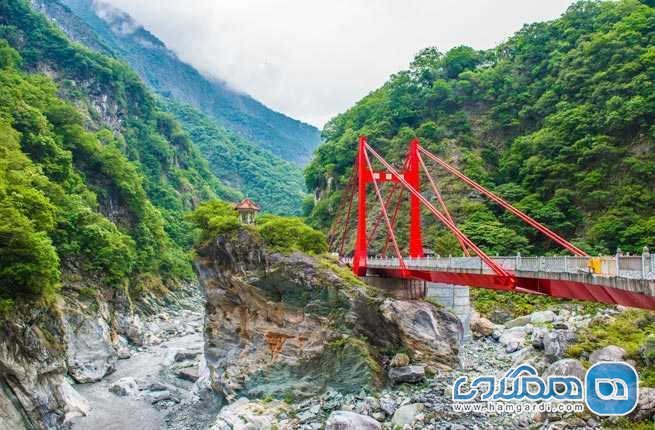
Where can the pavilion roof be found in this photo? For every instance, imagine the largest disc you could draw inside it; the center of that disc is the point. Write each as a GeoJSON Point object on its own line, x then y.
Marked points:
{"type": "Point", "coordinates": [247, 204]}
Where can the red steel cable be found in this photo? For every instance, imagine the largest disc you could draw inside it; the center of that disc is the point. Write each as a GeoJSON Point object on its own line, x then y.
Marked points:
{"type": "Point", "coordinates": [525, 218]}
{"type": "Point", "coordinates": [484, 257]}
{"type": "Point", "coordinates": [435, 190]}
{"type": "Point", "coordinates": [384, 213]}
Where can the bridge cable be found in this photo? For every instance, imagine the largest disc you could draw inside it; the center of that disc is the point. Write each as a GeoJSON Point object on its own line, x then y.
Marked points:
{"type": "Point", "coordinates": [384, 213]}
{"type": "Point", "coordinates": [506, 276]}
{"type": "Point", "coordinates": [435, 190]}
{"type": "Point", "coordinates": [525, 218]}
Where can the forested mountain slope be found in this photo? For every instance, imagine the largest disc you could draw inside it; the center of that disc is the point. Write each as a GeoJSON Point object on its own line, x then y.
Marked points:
{"type": "Point", "coordinates": [558, 119]}
{"type": "Point", "coordinates": [161, 69]}
{"type": "Point", "coordinates": [275, 184]}
{"type": "Point", "coordinates": [94, 178]}
{"type": "Point", "coordinates": [240, 162]}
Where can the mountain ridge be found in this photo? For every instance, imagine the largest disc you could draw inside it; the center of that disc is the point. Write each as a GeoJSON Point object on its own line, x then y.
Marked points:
{"type": "Point", "coordinates": [165, 73]}
{"type": "Point", "coordinates": [557, 120]}
{"type": "Point", "coordinates": [237, 161]}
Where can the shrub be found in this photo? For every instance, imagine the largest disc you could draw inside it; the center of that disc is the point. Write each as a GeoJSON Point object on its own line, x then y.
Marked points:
{"type": "Point", "coordinates": [213, 218]}
{"type": "Point", "coordinates": [288, 234]}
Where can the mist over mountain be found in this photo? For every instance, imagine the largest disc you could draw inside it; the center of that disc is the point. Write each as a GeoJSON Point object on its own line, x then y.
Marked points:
{"type": "Point", "coordinates": [239, 161]}
{"type": "Point", "coordinates": [114, 31]}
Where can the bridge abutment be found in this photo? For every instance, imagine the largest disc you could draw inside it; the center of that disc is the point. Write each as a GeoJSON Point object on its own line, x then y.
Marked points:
{"type": "Point", "coordinates": [453, 297]}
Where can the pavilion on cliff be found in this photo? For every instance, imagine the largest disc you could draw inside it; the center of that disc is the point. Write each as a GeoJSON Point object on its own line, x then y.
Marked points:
{"type": "Point", "coordinates": [247, 210]}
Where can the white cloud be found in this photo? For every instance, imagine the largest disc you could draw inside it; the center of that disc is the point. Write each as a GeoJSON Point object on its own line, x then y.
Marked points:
{"type": "Point", "coordinates": [312, 59]}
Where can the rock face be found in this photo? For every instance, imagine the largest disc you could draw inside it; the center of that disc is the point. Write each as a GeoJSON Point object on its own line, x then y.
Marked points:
{"type": "Point", "coordinates": [81, 336]}
{"type": "Point", "coordinates": [609, 353]}
{"type": "Point", "coordinates": [91, 354]}
{"type": "Point", "coordinates": [295, 325]}
{"type": "Point", "coordinates": [32, 369]}
{"type": "Point", "coordinates": [344, 420]}
{"type": "Point", "coordinates": [433, 334]}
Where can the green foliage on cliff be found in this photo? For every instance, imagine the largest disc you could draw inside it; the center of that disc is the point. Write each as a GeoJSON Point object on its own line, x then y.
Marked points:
{"type": "Point", "coordinates": [281, 234]}
{"type": "Point", "coordinates": [633, 330]}
{"type": "Point", "coordinates": [213, 218]}
{"type": "Point", "coordinates": [93, 177]}
{"type": "Point", "coordinates": [558, 119]}
{"type": "Point", "coordinates": [288, 234]}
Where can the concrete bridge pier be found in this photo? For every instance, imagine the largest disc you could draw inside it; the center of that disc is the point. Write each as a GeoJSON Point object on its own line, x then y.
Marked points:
{"type": "Point", "coordinates": [452, 297]}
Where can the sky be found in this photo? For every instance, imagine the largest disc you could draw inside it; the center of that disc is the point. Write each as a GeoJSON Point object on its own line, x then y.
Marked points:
{"type": "Point", "coordinates": [313, 59]}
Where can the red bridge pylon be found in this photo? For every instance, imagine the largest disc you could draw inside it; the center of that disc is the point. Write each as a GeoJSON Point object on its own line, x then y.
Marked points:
{"type": "Point", "coordinates": [409, 180]}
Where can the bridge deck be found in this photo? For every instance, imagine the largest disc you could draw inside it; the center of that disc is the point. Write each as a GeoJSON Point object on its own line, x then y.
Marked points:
{"type": "Point", "coordinates": [624, 280]}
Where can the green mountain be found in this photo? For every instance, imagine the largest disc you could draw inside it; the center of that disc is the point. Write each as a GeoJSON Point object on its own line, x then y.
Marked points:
{"type": "Point", "coordinates": [558, 120]}
{"type": "Point", "coordinates": [115, 31]}
{"type": "Point", "coordinates": [94, 178]}
{"type": "Point", "coordinates": [277, 185]}
{"type": "Point", "coordinates": [240, 162]}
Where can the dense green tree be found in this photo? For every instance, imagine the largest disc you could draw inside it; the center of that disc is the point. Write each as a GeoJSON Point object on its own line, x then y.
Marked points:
{"type": "Point", "coordinates": [558, 119]}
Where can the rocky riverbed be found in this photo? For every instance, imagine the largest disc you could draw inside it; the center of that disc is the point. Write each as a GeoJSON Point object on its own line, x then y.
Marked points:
{"type": "Point", "coordinates": [277, 341]}
{"type": "Point", "coordinates": [157, 385]}
{"type": "Point", "coordinates": [426, 403]}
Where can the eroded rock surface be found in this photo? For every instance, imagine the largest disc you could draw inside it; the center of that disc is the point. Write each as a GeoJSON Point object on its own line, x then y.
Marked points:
{"type": "Point", "coordinates": [294, 325]}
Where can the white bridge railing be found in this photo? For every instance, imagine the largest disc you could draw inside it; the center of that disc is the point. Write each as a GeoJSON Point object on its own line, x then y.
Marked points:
{"type": "Point", "coordinates": [623, 266]}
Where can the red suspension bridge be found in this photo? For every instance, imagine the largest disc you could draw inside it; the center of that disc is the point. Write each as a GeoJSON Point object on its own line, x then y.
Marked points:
{"type": "Point", "coordinates": [618, 279]}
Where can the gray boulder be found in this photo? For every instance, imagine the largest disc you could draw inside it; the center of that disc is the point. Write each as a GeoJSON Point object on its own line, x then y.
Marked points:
{"type": "Point", "coordinates": [518, 322]}
{"type": "Point", "coordinates": [431, 333]}
{"type": "Point", "coordinates": [566, 367]}
{"type": "Point", "coordinates": [528, 355]}
{"type": "Point", "coordinates": [609, 353]}
{"type": "Point", "coordinates": [246, 415]}
{"type": "Point", "coordinates": [135, 330]}
{"type": "Point", "coordinates": [406, 415]}
{"type": "Point", "coordinates": [158, 396]}
{"type": "Point", "coordinates": [186, 355]}
{"type": "Point", "coordinates": [481, 327]}
{"type": "Point", "coordinates": [344, 420]}
{"type": "Point", "coordinates": [645, 410]}
{"type": "Point", "coordinates": [513, 338]}
{"type": "Point", "coordinates": [537, 337]}
{"type": "Point", "coordinates": [189, 373]}
{"type": "Point", "coordinates": [557, 342]}
{"type": "Point", "coordinates": [91, 354]}
{"type": "Point", "coordinates": [388, 405]}
{"type": "Point", "coordinates": [124, 387]}
{"type": "Point", "coordinates": [411, 374]}
{"type": "Point", "coordinates": [542, 317]}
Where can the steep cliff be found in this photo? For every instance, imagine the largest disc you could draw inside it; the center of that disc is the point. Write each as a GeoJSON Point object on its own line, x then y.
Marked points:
{"type": "Point", "coordinates": [94, 181]}
{"type": "Point", "coordinates": [45, 350]}
{"type": "Point", "coordinates": [166, 74]}
{"type": "Point", "coordinates": [296, 325]}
